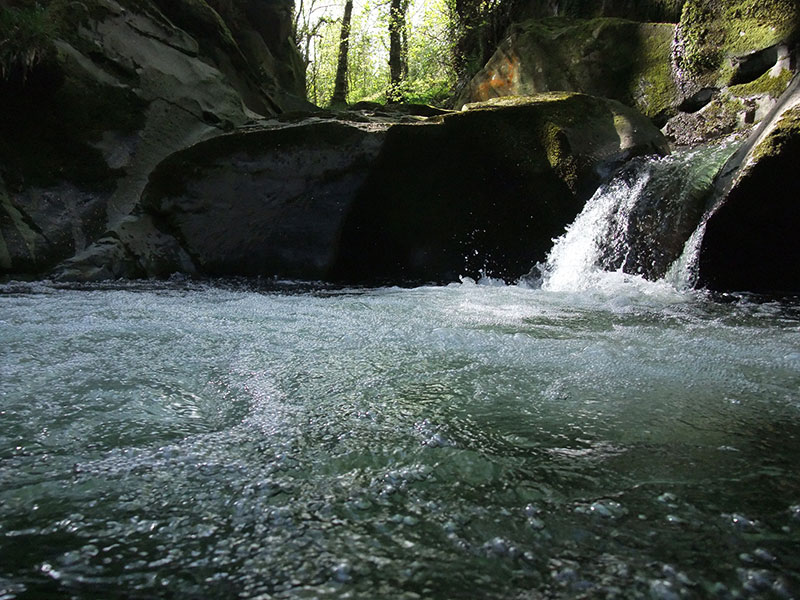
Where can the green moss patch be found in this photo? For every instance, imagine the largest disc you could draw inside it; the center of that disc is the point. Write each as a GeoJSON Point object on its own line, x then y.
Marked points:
{"type": "Point", "coordinates": [786, 133]}
{"type": "Point", "coordinates": [710, 30]}
{"type": "Point", "coordinates": [607, 57]}
{"type": "Point", "coordinates": [651, 83]}
{"type": "Point", "coordinates": [764, 85]}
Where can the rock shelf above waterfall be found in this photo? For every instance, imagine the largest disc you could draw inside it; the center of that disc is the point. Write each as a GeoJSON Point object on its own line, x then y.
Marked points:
{"type": "Point", "coordinates": [430, 200]}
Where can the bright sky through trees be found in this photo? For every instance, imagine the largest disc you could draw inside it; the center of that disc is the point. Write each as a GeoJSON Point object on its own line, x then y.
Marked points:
{"type": "Point", "coordinates": [430, 73]}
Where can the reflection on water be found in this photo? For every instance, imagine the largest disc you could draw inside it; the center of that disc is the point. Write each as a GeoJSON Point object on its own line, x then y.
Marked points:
{"type": "Point", "coordinates": [456, 442]}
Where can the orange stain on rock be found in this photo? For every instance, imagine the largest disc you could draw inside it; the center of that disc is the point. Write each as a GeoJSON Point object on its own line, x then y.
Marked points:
{"type": "Point", "coordinates": [500, 79]}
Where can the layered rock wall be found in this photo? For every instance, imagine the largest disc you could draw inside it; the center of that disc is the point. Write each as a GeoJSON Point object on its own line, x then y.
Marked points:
{"type": "Point", "coordinates": [729, 60]}
{"type": "Point", "coordinates": [106, 90]}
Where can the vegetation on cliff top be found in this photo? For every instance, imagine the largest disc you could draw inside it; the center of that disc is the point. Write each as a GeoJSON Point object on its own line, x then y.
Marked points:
{"type": "Point", "coordinates": [25, 39]}
{"type": "Point", "coordinates": [769, 84]}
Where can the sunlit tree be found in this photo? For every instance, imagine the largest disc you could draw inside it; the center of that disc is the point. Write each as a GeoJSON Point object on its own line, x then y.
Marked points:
{"type": "Point", "coordinates": [395, 49]}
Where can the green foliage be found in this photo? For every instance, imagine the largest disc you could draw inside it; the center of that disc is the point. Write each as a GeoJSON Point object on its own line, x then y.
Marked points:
{"type": "Point", "coordinates": [430, 39]}
{"type": "Point", "coordinates": [25, 38]}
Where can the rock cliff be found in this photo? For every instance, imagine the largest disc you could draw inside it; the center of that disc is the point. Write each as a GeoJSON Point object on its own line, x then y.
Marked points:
{"type": "Point", "coordinates": [717, 68]}
{"type": "Point", "coordinates": [104, 91]}
{"type": "Point", "coordinates": [141, 138]}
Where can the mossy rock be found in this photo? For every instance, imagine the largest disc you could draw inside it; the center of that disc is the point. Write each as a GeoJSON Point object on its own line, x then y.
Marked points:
{"type": "Point", "coordinates": [767, 85]}
{"type": "Point", "coordinates": [781, 140]}
{"type": "Point", "coordinates": [614, 58]}
{"type": "Point", "coordinates": [751, 241]}
{"type": "Point", "coordinates": [711, 32]}
{"type": "Point", "coordinates": [651, 11]}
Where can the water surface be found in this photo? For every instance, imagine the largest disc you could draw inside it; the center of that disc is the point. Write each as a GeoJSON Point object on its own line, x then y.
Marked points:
{"type": "Point", "coordinates": [467, 441]}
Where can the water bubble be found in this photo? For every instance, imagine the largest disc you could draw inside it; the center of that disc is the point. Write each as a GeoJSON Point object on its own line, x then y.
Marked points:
{"type": "Point", "coordinates": [756, 580]}
{"type": "Point", "coordinates": [532, 510]}
{"type": "Point", "coordinates": [675, 520]}
{"type": "Point", "coordinates": [669, 499]}
{"type": "Point", "coordinates": [535, 523]}
{"type": "Point", "coordinates": [607, 509]}
{"type": "Point", "coordinates": [741, 522]}
{"type": "Point", "coordinates": [342, 572]}
{"type": "Point", "coordinates": [437, 440]}
{"type": "Point", "coordinates": [565, 575]}
{"type": "Point", "coordinates": [795, 512]}
{"type": "Point", "coordinates": [501, 547]}
{"type": "Point", "coordinates": [764, 555]}
{"type": "Point", "coordinates": [48, 570]}
{"type": "Point", "coordinates": [450, 526]}
{"type": "Point", "coordinates": [663, 589]}
{"type": "Point", "coordinates": [362, 504]}
{"type": "Point", "coordinates": [676, 576]}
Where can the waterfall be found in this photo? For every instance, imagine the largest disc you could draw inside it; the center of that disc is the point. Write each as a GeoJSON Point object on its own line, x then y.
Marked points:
{"type": "Point", "coordinates": [646, 222]}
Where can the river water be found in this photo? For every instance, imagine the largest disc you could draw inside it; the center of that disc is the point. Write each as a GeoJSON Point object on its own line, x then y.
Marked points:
{"type": "Point", "coordinates": [224, 440]}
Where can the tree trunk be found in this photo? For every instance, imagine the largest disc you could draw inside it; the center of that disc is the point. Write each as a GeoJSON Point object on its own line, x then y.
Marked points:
{"type": "Point", "coordinates": [397, 50]}
{"type": "Point", "coordinates": [340, 84]}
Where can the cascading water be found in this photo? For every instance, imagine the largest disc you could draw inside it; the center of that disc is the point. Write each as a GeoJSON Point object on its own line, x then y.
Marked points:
{"type": "Point", "coordinates": [645, 222]}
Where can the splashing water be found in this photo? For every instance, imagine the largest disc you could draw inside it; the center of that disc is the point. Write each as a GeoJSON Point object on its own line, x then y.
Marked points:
{"type": "Point", "coordinates": [573, 263]}
{"type": "Point", "coordinates": [646, 224]}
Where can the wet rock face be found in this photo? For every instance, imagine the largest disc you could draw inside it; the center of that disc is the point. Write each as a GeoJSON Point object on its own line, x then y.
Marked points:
{"type": "Point", "coordinates": [263, 203]}
{"type": "Point", "coordinates": [751, 241]}
{"type": "Point", "coordinates": [119, 86]}
{"type": "Point", "coordinates": [613, 58]}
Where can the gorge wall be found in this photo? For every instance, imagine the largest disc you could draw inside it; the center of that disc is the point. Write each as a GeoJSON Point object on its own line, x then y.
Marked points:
{"type": "Point", "coordinates": [95, 94]}
{"type": "Point", "coordinates": [141, 138]}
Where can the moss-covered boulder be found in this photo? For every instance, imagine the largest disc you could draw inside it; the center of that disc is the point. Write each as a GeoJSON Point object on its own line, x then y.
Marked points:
{"type": "Point", "coordinates": [614, 58]}
{"type": "Point", "coordinates": [96, 93]}
{"type": "Point", "coordinates": [751, 240]}
{"type": "Point", "coordinates": [483, 26]}
{"type": "Point", "coordinates": [734, 109]}
{"type": "Point", "coordinates": [487, 189]}
{"type": "Point", "coordinates": [724, 42]}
